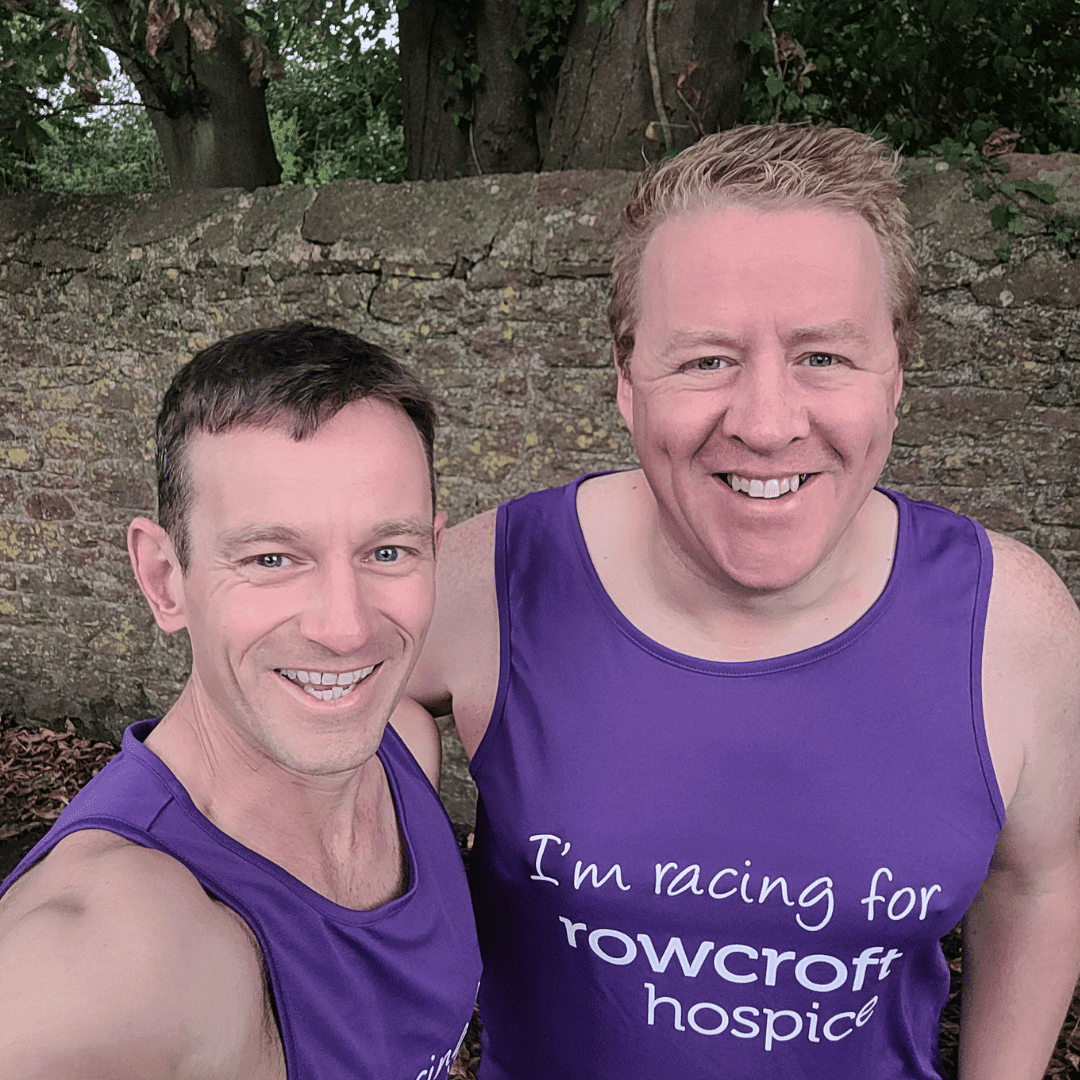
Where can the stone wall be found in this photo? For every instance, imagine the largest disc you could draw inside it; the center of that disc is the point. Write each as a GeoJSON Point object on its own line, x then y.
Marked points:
{"type": "Point", "coordinates": [494, 289]}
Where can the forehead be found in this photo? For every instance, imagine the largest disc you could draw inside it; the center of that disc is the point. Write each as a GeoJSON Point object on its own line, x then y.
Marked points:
{"type": "Point", "coordinates": [367, 461]}
{"type": "Point", "coordinates": [788, 259]}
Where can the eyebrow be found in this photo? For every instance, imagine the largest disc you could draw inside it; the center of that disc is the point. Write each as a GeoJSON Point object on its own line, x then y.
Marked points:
{"type": "Point", "coordinates": [841, 330]}
{"type": "Point", "coordinates": [235, 539]}
{"type": "Point", "coordinates": [690, 339]}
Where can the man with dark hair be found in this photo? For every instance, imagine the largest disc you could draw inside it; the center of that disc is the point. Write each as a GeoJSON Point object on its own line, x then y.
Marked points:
{"type": "Point", "coordinates": [263, 884]}
{"type": "Point", "coordinates": [750, 733]}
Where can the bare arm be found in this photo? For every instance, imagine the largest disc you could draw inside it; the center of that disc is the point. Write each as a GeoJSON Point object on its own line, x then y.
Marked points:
{"type": "Point", "coordinates": [115, 964]}
{"type": "Point", "coordinates": [458, 668]}
{"type": "Point", "coordinates": [421, 735]}
{"type": "Point", "coordinates": [1022, 936]}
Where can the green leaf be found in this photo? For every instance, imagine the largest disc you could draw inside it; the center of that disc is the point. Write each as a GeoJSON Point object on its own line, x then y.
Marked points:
{"type": "Point", "coordinates": [1016, 226]}
{"type": "Point", "coordinates": [981, 191]}
{"type": "Point", "coordinates": [604, 10]}
{"type": "Point", "coordinates": [1003, 253]}
{"type": "Point", "coordinates": [1001, 215]}
{"type": "Point", "coordinates": [1047, 193]}
{"type": "Point", "coordinates": [775, 86]}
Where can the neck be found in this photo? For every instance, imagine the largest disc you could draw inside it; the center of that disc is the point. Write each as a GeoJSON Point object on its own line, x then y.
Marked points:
{"type": "Point", "coordinates": [686, 604]}
{"type": "Point", "coordinates": [337, 833]}
{"type": "Point", "coordinates": [753, 624]}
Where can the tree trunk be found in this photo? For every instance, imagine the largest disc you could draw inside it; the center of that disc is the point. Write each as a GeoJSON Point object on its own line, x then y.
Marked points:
{"type": "Point", "coordinates": [606, 115]}
{"type": "Point", "coordinates": [601, 111]}
{"type": "Point", "coordinates": [504, 125]}
{"type": "Point", "coordinates": [214, 130]}
{"type": "Point", "coordinates": [431, 32]}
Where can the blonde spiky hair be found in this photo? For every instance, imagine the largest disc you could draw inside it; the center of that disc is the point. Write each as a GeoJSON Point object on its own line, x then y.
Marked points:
{"type": "Point", "coordinates": [771, 166]}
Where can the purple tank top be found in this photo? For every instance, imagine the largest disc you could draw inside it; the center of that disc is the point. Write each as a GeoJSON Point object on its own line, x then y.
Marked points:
{"type": "Point", "coordinates": [376, 994]}
{"type": "Point", "coordinates": [686, 868]}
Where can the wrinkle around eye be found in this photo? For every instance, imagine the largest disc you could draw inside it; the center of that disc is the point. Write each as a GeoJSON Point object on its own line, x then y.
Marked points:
{"type": "Point", "coordinates": [256, 560]}
{"type": "Point", "coordinates": [708, 364]}
{"type": "Point", "coordinates": [835, 361]}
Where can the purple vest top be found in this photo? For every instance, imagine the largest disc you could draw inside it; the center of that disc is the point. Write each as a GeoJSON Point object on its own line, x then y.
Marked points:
{"type": "Point", "coordinates": [359, 995]}
{"type": "Point", "coordinates": [686, 868]}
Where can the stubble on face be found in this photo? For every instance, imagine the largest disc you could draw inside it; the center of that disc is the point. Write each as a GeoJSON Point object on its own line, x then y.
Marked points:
{"type": "Point", "coordinates": [763, 389]}
{"type": "Point", "coordinates": [310, 588]}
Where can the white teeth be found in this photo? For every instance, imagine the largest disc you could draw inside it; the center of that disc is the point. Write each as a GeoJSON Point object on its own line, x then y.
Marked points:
{"type": "Point", "coordinates": [764, 489]}
{"type": "Point", "coordinates": [337, 684]}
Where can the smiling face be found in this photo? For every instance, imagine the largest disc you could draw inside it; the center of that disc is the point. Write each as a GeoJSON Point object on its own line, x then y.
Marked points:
{"type": "Point", "coordinates": [311, 582]}
{"type": "Point", "coordinates": [763, 387]}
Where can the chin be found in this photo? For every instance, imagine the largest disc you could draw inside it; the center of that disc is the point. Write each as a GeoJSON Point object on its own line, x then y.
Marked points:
{"type": "Point", "coordinates": [766, 572]}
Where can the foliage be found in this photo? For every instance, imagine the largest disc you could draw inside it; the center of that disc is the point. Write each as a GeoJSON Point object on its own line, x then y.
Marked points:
{"type": "Point", "coordinates": [54, 73]}
{"type": "Point", "coordinates": [920, 71]}
{"type": "Point", "coordinates": [337, 113]}
{"type": "Point", "coordinates": [110, 151]}
{"type": "Point", "coordinates": [603, 10]}
{"type": "Point", "coordinates": [32, 63]}
{"type": "Point", "coordinates": [1007, 214]}
{"type": "Point", "coordinates": [547, 29]}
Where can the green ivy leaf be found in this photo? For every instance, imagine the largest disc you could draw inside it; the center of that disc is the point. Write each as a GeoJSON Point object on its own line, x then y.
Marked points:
{"type": "Point", "coordinates": [981, 191]}
{"type": "Point", "coordinates": [1047, 193]}
{"type": "Point", "coordinates": [1016, 226]}
{"type": "Point", "coordinates": [1003, 253]}
{"type": "Point", "coordinates": [774, 85]}
{"type": "Point", "coordinates": [1000, 216]}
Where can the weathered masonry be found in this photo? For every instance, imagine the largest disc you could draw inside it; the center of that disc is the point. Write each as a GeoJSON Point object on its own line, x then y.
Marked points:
{"type": "Point", "coordinates": [494, 289]}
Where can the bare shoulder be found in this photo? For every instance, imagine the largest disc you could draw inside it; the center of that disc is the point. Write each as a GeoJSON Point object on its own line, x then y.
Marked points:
{"type": "Point", "coordinates": [1031, 695]}
{"type": "Point", "coordinates": [1031, 604]}
{"type": "Point", "coordinates": [114, 961]}
{"type": "Point", "coordinates": [458, 668]}
{"type": "Point", "coordinates": [420, 734]}
{"type": "Point", "coordinates": [467, 551]}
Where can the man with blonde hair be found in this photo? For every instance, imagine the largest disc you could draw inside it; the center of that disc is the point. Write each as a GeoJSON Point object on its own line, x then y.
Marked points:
{"type": "Point", "coordinates": [750, 733]}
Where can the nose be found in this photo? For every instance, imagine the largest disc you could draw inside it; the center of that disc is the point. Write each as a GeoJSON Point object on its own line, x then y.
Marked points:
{"type": "Point", "coordinates": [337, 614]}
{"type": "Point", "coordinates": [766, 411]}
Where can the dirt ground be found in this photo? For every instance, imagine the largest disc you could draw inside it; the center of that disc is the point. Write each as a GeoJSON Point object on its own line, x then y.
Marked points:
{"type": "Point", "coordinates": [41, 770]}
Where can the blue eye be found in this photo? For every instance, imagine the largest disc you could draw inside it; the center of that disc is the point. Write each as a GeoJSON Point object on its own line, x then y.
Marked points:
{"type": "Point", "coordinates": [819, 360]}
{"type": "Point", "coordinates": [271, 562]}
{"type": "Point", "coordinates": [387, 554]}
{"type": "Point", "coordinates": [710, 363]}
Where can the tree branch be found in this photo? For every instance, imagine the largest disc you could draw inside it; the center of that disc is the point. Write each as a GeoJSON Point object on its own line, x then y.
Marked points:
{"type": "Point", "coordinates": [776, 55]}
{"type": "Point", "coordinates": [654, 72]}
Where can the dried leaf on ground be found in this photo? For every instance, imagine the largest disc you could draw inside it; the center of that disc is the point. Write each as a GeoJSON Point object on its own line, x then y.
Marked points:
{"type": "Point", "coordinates": [40, 772]}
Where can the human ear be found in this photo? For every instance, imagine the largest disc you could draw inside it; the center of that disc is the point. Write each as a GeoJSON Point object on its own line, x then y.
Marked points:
{"type": "Point", "coordinates": [624, 394]}
{"type": "Point", "coordinates": [437, 531]}
{"type": "Point", "coordinates": [158, 572]}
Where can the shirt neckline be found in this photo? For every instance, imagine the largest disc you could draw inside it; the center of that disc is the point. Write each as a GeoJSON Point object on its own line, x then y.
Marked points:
{"type": "Point", "coordinates": [737, 668]}
{"type": "Point", "coordinates": [133, 742]}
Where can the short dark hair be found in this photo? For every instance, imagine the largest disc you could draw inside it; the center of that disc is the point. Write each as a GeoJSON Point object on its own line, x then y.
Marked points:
{"type": "Point", "coordinates": [300, 374]}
